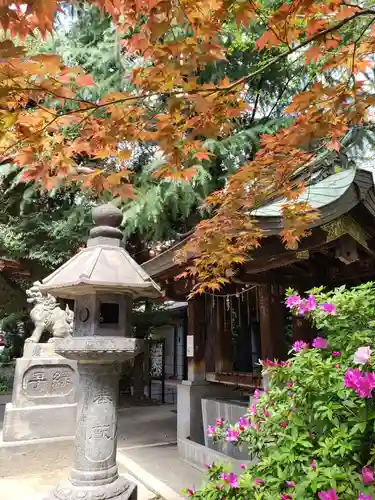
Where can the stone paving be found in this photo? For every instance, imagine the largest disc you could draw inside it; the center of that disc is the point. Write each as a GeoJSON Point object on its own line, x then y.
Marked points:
{"type": "Point", "coordinates": [147, 451]}
{"type": "Point", "coordinates": [35, 486]}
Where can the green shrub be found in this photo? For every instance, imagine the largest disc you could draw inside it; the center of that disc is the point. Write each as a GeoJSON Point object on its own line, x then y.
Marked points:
{"type": "Point", "coordinates": [313, 428]}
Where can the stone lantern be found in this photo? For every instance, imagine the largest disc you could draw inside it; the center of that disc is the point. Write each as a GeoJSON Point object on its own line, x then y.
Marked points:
{"type": "Point", "coordinates": [103, 280]}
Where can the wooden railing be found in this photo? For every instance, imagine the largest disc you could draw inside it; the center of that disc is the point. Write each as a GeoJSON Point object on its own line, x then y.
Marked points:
{"type": "Point", "coordinates": [239, 379]}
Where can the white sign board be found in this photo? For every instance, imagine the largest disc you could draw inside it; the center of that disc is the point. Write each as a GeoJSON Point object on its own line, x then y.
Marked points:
{"type": "Point", "coordinates": [190, 346]}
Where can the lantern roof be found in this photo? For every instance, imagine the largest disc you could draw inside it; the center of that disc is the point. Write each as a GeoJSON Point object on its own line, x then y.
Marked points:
{"type": "Point", "coordinates": [103, 266]}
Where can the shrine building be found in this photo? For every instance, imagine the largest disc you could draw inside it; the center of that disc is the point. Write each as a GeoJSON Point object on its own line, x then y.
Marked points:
{"type": "Point", "coordinates": [229, 331]}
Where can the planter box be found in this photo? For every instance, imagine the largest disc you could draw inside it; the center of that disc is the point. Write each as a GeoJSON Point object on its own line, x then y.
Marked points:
{"type": "Point", "coordinates": [198, 455]}
{"type": "Point", "coordinates": [231, 410]}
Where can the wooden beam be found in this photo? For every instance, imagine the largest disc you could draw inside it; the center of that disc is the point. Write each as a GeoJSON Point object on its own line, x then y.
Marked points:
{"type": "Point", "coordinates": [286, 258]}
{"type": "Point", "coordinates": [246, 380]}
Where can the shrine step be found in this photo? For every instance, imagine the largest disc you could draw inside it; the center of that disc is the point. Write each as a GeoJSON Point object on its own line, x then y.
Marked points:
{"type": "Point", "coordinates": [160, 469]}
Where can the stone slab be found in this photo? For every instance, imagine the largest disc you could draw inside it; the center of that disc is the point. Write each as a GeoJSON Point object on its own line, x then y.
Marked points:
{"type": "Point", "coordinates": [35, 422]}
{"type": "Point", "coordinates": [44, 396]}
{"type": "Point", "coordinates": [231, 411]}
{"type": "Point", "coordinates": [40, 350]}
{"type": "Point", "coordinates": [198, 455]}
{"type": "Point", "coordinates": [189, 407]}
{"type": "Point", "coordinates": [44, 381]}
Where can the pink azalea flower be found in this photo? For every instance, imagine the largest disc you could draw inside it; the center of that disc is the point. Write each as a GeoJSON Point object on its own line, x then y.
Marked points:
{"type": "Point", "coordinates": [209, 467]}
{"type": "Point", "coordinates": [244, 422]}
{"type": "Point", "coordinates": [268, 362]}
{"type": "Point", "coordinates": [362, 496]}
{"type": "Point", "coordinates": [253, 409]}
{"type": "Point", "coordinates": [299, 345]}
{"type": "Point", "coordinates": [307, 305]}
{"type": "Point", "coordinates": [284, 424]}
{"type": "Point", "coordinates": [243, 466]}
{"type": "Point", "coordinates": [231, 479]}
{"type": "Point", "coordinates": [329, 309]}
{"type": "Point", "coordinates": [320, 343]}
{"type": "Point", "coordinates": [351, 377]}
{"type": "Point", "coordinates": [328, 495]}
{"type": "Point", "coordinates": [362, 383]}
{"type": "Point", "coordinates": [285, 496]}
{"type": "Point", "coordinates": [220, 422]}
{"type": "Point", "coordinates": [232, 435]}
{"type": "Point", "coordinates": [336, 354]}
{"type": "Point", "coordinates": [367, 475]}
{"type": "Point", "coordinates": [366, 384]}
{"type": "Point", "coordinates": [311, 303]}
{"type": "Point", "coordinates": [211, 431]}
{"type": "Point", "coordinates": [257, 395]}
{"type": "Point", "coordinates": [290, 484]}
{"type": "Point", "coordinates": [314, 465]}
{"type": "Point", "coordinates": [258, 481]}
{"type": "Point", "coordinates": [303, 307]}
{"type": "Point", "coordinates": [362, 355]}
{"type": "Point", "coordinates": [293, 301]}
{"type": "Point", "coordinates": [191, 492]}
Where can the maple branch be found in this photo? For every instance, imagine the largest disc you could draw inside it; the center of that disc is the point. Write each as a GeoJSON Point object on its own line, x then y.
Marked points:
{"type": "Point", "coordinates": [34, 134]}
{"type": "Point", "coordinates": [260, 84]}
{"type": "Point", "coordinates": [281, 93]}
{"type": "Point", "coordinates": [238, 82]}
{"type": "Point", "coordinates": [91, 107]}
{"type": "Point", "coordinates": [85, 170]}
{"type": "Point", "coordinates": [290, 51]}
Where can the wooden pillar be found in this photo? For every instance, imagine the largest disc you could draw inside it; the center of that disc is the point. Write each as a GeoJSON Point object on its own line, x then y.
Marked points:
{"type": "Point", "coordinates": [271, 318]}
{"type": "Point", "coordinates": [197, 337]}
{"type": "Point", "coordinates": [223, 344]}
{"type": "Point", "coordinates": [211, 333]}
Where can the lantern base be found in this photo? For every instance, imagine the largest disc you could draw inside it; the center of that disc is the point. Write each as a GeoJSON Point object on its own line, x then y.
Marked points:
{"type": "Point", "coordinates": [120, 489]}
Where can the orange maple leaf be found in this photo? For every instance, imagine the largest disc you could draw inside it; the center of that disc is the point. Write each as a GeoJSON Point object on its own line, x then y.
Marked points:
{"type": "Point", "coordinates": [203, 155]}
{"type": "Point", "coordinates": [268, 39]}
{"type": "Point", "coordinates": [85, 81]}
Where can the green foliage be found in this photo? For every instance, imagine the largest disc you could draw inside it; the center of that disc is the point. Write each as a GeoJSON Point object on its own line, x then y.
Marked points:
{"type": "Point", "coordinates": [3, 386]}
{"type": "Point", "coordinates": [87, 38]}
{"type": "Point", "coordinates": [6, 374]}
{"type": "Point", "coordinates": [309, 431]}
{"type": "Point", "coordinates": [13, 327]}
{"type": "Point", "coordinates": [164, 209]}
{"type": "Point", "coordinates": [41, 228]}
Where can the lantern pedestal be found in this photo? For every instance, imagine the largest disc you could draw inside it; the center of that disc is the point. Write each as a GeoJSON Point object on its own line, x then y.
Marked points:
{"type": "Point", "coordinates": [103, 280]}
{"type": "Point", "coordinates": [94, 475]}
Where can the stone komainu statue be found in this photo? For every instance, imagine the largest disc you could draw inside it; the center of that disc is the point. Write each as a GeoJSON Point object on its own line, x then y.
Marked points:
{"type": "Point", "coordinates": [47, 315]}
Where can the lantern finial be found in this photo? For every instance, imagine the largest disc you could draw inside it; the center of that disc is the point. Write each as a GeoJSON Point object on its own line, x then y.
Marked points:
{"type": "Point", "coordinates": [107, 220]}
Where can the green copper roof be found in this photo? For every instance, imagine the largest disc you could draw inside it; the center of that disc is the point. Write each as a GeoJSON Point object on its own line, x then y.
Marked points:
{"type": "Point", "coordinates": [317, 195]}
